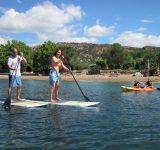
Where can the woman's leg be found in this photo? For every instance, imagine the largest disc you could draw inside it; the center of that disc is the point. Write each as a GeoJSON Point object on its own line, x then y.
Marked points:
{"type": "Point", "coordinates": [57, 90]}
{"type": "Point", "coordinates": [52, 88]}
{"type": "Point", "coordinates": [52, 85]}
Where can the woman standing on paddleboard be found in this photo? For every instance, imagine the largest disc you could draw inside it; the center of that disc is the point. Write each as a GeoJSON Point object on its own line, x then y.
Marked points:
{"type": "Point", "coordinates": [54, 75]}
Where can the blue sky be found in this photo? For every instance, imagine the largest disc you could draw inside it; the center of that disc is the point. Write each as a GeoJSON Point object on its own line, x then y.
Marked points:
{"type": "Point", "coordinates": [130, 23]}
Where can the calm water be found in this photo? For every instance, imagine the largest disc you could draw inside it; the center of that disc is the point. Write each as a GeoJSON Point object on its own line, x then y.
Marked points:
{"type": "Point", "coordinates": [123, 121]}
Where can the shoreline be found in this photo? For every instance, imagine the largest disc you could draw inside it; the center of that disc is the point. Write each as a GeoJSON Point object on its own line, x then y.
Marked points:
{"type": "Point", "coordinates": [97, 78]}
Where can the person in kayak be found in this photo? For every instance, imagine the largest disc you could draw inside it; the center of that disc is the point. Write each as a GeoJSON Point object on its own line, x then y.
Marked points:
{"type": "Point", "coordinates": [149, 83]}
{"type": "Point", "coordinates": [54, 74]}
{"type": "Point", "coordinates": [136, 84]}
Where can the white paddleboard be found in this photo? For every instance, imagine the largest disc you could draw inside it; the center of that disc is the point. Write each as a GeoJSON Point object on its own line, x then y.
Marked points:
{"type": "Point", "coordinates": [36, 103]}
{"type": "Point", "coordinates": [29, 103]}
{"type": "Point", "coordinates": [75, 103]}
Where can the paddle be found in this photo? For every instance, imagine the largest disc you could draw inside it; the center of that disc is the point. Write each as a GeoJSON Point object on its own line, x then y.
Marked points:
{"type": "Point", "coordinates": [85, 97]}
{"type": "Point", "coordinates": [7, 103]}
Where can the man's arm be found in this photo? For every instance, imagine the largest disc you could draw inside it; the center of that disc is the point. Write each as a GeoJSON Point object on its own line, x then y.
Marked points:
{"type": "Point", "coordinates": [9, 65]}
{"type": "Point", "coordinates": [24, 61]}
{"type": "Point", "coordinates": [11, 68]}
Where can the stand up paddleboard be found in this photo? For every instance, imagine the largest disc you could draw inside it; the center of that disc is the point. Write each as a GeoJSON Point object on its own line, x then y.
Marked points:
{"type": "Point", "coordinates": [76, 103]}
{"type": "Point", "coordinates": [29, 103]}
{"type": "Point", "coordinates": [36, 103]}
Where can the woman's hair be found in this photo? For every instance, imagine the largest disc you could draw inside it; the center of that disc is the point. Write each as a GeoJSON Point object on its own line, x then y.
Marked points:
{"type": "Point", "coordinates": [55, 53]}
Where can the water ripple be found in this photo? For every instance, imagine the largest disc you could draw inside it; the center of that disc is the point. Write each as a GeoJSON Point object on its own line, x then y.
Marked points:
{"type": "Point", "coordinates": [122, 121]}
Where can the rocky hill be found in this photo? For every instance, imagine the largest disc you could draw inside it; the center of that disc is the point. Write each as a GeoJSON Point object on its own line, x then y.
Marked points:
{"type": "Point", "coordinates": [88, 51]}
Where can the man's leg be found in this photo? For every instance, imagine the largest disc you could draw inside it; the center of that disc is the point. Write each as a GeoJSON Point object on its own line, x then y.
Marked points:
{"type": "Point", "coordinates": [18, 93]}
{"type": "Point", "coordinates": [19, 85]}
{"type": "Point", "coordinates": [10, 80]}
{"type": "Point", "coordinates": [9, 91]}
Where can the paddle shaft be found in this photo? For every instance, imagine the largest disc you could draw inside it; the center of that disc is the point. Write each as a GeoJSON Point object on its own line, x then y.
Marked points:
{"type": "Point", "coordinates": [85, 97]}
{"type": "Point", "coordinates": [77, 83]}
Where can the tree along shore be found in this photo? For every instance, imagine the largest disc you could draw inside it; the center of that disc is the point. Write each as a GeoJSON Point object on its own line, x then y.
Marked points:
{"type": "Point", "coordinates": [80, 56]}
{"type": "Point", "coordinates": [94, 78]}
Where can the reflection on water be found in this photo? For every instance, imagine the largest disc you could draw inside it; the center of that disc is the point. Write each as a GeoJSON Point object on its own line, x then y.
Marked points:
{"type": "Point", "coordinates": [125, 121]}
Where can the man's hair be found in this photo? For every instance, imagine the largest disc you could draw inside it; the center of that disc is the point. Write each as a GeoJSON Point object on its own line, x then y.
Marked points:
{"type": "Point", "coordinates": [12, 49]}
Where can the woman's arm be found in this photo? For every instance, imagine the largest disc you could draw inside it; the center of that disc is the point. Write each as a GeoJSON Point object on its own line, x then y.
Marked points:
{"type": "Point", "coordinates": [64, 67]}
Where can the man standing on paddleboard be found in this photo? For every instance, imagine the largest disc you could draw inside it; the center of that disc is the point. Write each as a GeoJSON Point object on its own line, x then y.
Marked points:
{"type": "Point", "coordinates": [54, 75]}
{"type": "Point", "coordinates": [14, 66]}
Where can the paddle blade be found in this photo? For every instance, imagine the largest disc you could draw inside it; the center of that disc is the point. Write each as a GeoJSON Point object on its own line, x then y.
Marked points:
{"type": "Point", "coordinates": [87, 99]}
{"type": "Point", "coordinates": [7, 104]}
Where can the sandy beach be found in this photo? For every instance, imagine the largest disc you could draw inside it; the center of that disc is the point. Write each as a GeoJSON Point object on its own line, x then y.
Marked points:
{"type": "Point", "coordinates": [98, 78]}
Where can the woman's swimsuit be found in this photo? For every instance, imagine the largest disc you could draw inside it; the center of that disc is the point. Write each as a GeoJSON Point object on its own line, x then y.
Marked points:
{"type": "Point", "coordinates": [54, 74]}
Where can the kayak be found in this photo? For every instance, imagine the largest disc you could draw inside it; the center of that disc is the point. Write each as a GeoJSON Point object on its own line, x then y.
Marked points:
{"type": "Point", "coordinates": [125, 88]}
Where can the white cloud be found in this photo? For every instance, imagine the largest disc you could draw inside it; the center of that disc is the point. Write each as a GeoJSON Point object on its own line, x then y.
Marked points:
{"type": "Point", "coordinates": [146, 21]}
{"type": "Point", "coordinates": [45, 17]}
{"type": "Point", "coordinates": [3, 40]}
{"type": "Point", "coordinates": [64, 36]}
{"type": "Point", "coordinates": [73, 11]}
{"type": "Point", "coordinates": [80, 40]}
{"type": "Point", "coordinates": [46, 20]}
{"type": "Point", "coordinates": [141, 29]}
{"type": "Point", "coordinates": [98, 30]}
{"type": "Point", "coordinates": [136, 39]}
